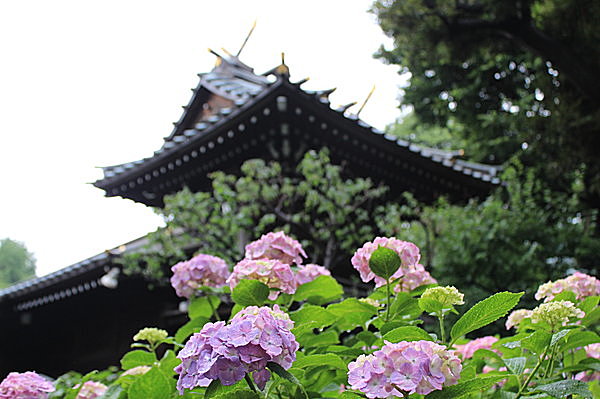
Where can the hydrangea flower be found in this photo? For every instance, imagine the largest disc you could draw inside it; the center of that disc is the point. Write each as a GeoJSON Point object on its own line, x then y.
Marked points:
{"type": "Point", "coordinates": [277, 246]}
{"type": "Point", "coordinates": [201, 270]}
{"type": "Point", "coordinates": [467, 350]}
{"type": "Point", "coordinates": [593, 351]}
{"type": "Point", "coordinates": [91, 390]}
{"type": "Point", "coordinates": [407, 251]}
{"type": "Point", "coordinates": [28, 385]}
{"type": "Point", "coordinates": [308, 273]}
{"type": "Point", "coordinates": [516, 316]}
{"type": "Point", "coordinates": [138, 370]}
{"type": "Point", "coordinates": [271, 272]}
{"type": "Point", "coordinates": [414, 277]}
{"type": "Point", "coordinates": [448, 296]}
{"type": "Point", "coordinates": [228, 352]}
{"type": "Point", "coordinates": [556, 313]}
{"type": "Point", "coordinates": [151, 335]}
{"type": "Point", "coordinates": [581, 284]}
{"type": "Point", "coordinates": [404, 368]}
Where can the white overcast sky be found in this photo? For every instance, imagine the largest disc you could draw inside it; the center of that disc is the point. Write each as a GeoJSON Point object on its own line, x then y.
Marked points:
{"type": "Point", "coordinates": [93, 83]}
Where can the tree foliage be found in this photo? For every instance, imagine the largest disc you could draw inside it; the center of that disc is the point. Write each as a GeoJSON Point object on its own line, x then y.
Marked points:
{"type": "Point", "coordinates": [330, 214]}
{"type": "Point", "coordinates": [16, 263]}
{"type": "Point", "coordinates": [518, 76]}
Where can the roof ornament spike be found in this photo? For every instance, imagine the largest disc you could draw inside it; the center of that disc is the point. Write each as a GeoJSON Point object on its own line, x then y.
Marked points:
{"type": "Point", "coordinates": [344, 108]}
{"type": "Point", "coordinates": [246, 39]}
{"type": "Point", "coordinates": [219, 57]}
{"type": "Point", "coordinates": [283, 69]}
{"type": "Point", "coordinates": [365, 102]}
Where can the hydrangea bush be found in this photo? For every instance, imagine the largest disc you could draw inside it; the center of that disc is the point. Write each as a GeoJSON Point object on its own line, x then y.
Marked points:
{"type": "Point", "coordinates": [275, 328]}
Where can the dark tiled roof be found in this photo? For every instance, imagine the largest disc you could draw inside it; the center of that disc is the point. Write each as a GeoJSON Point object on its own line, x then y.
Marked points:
{"type": "Point", "coordinates": [236, 81]}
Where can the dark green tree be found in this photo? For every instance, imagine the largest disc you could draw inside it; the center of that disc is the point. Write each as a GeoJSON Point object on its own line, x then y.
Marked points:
{"type": "Point", "coordinates": [16, 263]}
{"type": "Point", "coordinates": [520, 77]}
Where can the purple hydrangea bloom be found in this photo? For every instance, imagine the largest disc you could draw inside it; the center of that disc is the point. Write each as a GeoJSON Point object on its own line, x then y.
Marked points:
{"type": "Point", "coordinates": [28, 385]}
{"type": "Point", "coordinates": [227, 352]}
{"type": "Point", "coordinates": [277, 246]}
{"type": "Point", "coordinates": [201, 270]}
{"type": "Point", "coordinates": [404, 368]}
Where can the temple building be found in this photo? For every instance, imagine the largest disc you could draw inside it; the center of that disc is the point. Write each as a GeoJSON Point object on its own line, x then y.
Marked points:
{"type": "Point", "coordinates": [83, 317]}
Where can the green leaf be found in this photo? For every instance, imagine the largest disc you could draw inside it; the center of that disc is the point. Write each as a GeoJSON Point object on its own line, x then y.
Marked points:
{"type": "Point", "coordinates": [591, 317]}
{"type": "Point", "coordinates": [408, 333]}
{"type": "Point", "coordinates": [405, 304]}
{"type": "Point", "coordinates": [562, 389]}
{"type": "Point", "coordinates": [430, 305]}
{"type": "Point", "coordinates": [580, 339]}
{"type": "Point", "coordinates": [328, 359]}
{"type": "Point", "coordinates": [189, 328]}
{"type": "Point", "coordinates": [114, 392]}
{"type": "Point", "coordinates": [384, 262]}
{"type": "Point", "coordinates": [283, 373]}
{"type": "Point", "coordinates": [151, 385]}
{"type": "Point", "coordinates": [465, 388]}
{"type": "Point", "coordinates": [485, 312]}
{"type": "Point", "coordinates": [589, 303]}
{"type": "Point", "coordinates": [351, 313]}
{"type": "Point", "coordinates": [201, 306]}
{"type": "Point", "coordinates": [516, 365]}
{"type": "Point", "coordinates": [314, 340]}
{"type": "Point", "coordinates": [319, 316]}
{"type": "Point", "coordinates": [250, 293]}
{"type": "Point", "coordinates": [565, 296]}
{"type": "Point", "coordinates": [168, 362]}
{"type": "Point", "coordinates": [556, 337]}
{"type": "Point", "coordinates": [137, 358]}
{"type": "Point", "coordinates": [537, 341]}
{"type": "Point", "coordinates": [322, 290]}
{"type": "Point", "coordinates": [238, 394]}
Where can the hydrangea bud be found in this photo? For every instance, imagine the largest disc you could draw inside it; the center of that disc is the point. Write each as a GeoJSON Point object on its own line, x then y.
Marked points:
{"type": "Point", "coordinates": [516, 316]}
{"type": "Point", "coordinates": [151, 335]}
{"type": "Point", "coordinates": [227, 352]}
{"type": "Point", "coordinates": [276, 246]}
{"type": "Point", "coordinates": [448, 296]}
{"type": "Point", "coordinates": [201, 270]}
{"type": "Point", "coordinates": [556, 314]}
{"type": "Point", "coordinates": [404, 368]}
{"type": "Point", "coordinates": [308, 273]}
{"type": "Point", "coordinates": [581, 284]}
{"type": "Point", "coordinates": [272, 273]}
{"type": "Point", "coordinates": [28, 385]}
{"type": "Point", "coordinates": [467, 350]}
{"type": "Point", "coordinates": [407, 251]}
{"type": "Point", "coordinates": [91, 390]}
{"type": "Point", "coordinates": [139, 370]}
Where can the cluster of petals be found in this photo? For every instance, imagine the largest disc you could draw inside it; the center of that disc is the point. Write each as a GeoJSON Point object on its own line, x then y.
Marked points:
{"type": "Point", "coordinates": [273, 273]}
{"type": "Point", "coordinates": [404, 368]}
{"type": "Point", "coordinates": [407, 251]}
{"type": "Point", "coordinates": [28, 385]}
{"type": "Point", "coordinates": [516, 317]}
{"type": "Point", "coordinates": [306, 274]}
{"type": "Point", "coordinates": [201, 270]}
{"type": "Point", "coordinates": [448, 296]}
{"type": "Point", "coordinates": [556, 313]}
{"type": "Point", "coordinates": [277, 246]}
{"type": "Point", "coordinates": [581, 284]}
{"type": "Point", "coordinates": [227, 352]}
{"type": "Point", "coordinates": [414, 277]}
{"type": "Point", "coordinates": [467, 350]}
{"type": "Point", "coordinates": [91, 390]}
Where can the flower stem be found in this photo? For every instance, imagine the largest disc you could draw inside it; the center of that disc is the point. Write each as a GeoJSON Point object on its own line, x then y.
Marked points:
{"type": "Point", "coordinates": [214, 311]}
{"type": "Point", "coordinates": [442, 331]}
{"type": "Point", "coordinates": [250, 383]}
{"type": "Point", "coordinates": [387, 308]}
{"type": "Point", "coordinates": [535, 369]}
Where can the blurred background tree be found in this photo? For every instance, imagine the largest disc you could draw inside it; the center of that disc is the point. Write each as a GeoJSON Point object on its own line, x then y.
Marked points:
{"type": "Point", "coordinates": [16, 263]}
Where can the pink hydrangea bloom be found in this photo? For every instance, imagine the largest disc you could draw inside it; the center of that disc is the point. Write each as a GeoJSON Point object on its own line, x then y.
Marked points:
{"type": "Point", "coordinates": [592, 350]}
{"type": "Point", "coordinates": [91, 390]}
{"type": "Point", "coordinates": [228, 352]}
{"type": "Point", "coordinates": [516, 316]}
{"type": "Point", "coordinates": [308, 273]}
{"type": "Point", "coordinates": [414, 277]}
{"type": "Point", "coordinates": [408, 253]}
{"type": "Point", "coordinates": [467, 350]}
{"type": "Point", "coordinates": [201, 270]}
{"type": "Point", "coordinates": [581, 284]}
{"type": "Point", "coordinates": [419, 366]}
{"type": "Point", "coordinates": [273, 273]}
{"type": "Point", "coordinates": [28, 385]}
{"type": "Point", "coordinates": [276, 246]}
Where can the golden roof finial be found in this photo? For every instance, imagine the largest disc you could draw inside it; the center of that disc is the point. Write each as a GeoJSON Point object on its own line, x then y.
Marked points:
{"type": "Point", "coordinates": [246, 39]}
{"type": "Point", "coordinates": [219, 58]}
{"type": "Point", "coordinates": [283, 69]}
{"type": "Point", "coordinates": [366, 99]}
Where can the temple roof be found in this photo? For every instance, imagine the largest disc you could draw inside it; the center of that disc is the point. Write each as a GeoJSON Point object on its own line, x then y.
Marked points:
{"type": "Point", "coordinates": [233, 93]}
